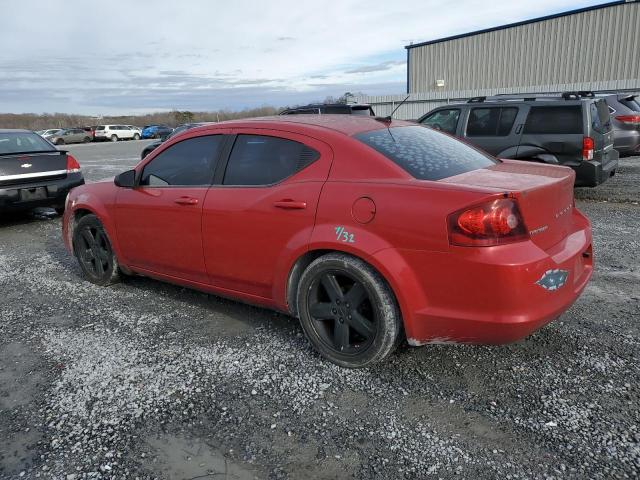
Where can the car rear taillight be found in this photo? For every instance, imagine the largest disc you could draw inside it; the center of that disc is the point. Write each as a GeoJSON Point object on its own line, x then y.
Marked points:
{"type": "Point", "coordinates": [629, 119]}
{"type": "Point", "coordinates": [72, 164]}
{"type": "Point", "coordinates": [492, 223]}
{"type": "Point", "coordinates": [587, 148]}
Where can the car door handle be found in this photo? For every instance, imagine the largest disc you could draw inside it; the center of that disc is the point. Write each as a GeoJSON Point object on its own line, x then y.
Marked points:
{"type": "Point", "coordinates": [186, 201]}
{"type": "Point", "coordinates": [518, 128]}
{"type": "Point", "coordinates": [290, 205]}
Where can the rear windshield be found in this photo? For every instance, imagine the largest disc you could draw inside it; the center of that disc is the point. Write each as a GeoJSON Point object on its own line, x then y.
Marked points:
{"type": "Point", "coordinates": [361, 111]}
{"type": "Point", "coordinates": [425, 153]}
{"type": "Point", "coordinates": [23, 142]}
{"type": "Point", "coordinates": [554, 120]}
{"type": "Point", "coordinates": [631, 103]}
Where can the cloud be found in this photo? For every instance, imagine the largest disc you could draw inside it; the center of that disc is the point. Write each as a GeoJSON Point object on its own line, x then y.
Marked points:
{"type": "Point", "coordinates": [215, 54]}
{"type": "Point", "coordinates": [379, 67]}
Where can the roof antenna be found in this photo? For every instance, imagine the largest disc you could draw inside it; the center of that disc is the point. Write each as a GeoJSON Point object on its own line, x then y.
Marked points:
{"type": "Point", "coordinates": [390, 116]}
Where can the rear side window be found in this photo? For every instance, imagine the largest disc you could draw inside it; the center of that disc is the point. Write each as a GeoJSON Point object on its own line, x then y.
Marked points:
{"type": "Point", "coordinates": [263, 160]}
{"type": "Point", "coordinates": [340, 110]}
{"type": "Point", "coordinates": [425, 153]}
{"type": "Point", "coordinates": [362, 111]}
{"type": "Point", "coordinates": [554, 120]}
{"type": "Point", "coordinates": [100, 127]}
{"type": "Point", "coordinates": [491, 122]}
{"type": "Point", "coordinates": [187, 163]}
{"type": "Point", "coordinates": [445, 120]}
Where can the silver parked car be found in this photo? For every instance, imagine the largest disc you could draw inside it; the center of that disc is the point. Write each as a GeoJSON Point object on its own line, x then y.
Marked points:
{"type": "Point", "coordinates": [625, 119]}
{"type": "Point", "coordinates": [69, 135]}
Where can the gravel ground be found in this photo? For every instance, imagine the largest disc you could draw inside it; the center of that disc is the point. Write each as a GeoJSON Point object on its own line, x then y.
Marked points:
{"type": "Point", "coordinates": [149, 380]}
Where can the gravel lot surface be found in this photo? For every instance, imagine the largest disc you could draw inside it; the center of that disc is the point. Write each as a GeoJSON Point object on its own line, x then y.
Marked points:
{"type": "Point", "coordinates": [149, 380]}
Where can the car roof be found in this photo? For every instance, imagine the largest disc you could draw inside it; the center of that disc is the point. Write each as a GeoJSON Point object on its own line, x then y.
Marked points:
{"type": "Point", "coordinates": [18, 130]}
{"type": "Point", "coordinates": [346, 124]}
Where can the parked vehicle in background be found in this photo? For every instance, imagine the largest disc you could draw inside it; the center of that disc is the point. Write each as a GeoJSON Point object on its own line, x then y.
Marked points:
{"type": "Point", "coordinates": [156, 131]}
{"type": "Point", "coordinates": [34, 173]}
{"type": "Point", "coordinates": [625, 117]}
{"type": "Point", "coordinates": [572, 129]}
{"type": "Point", "coordinates": [114, 133]}
{"type": "Point", "coordinates": [91, 130]}
{"type": "Point", "coordinates": [367, 230]}
{"type": "Point", "coordinates": [47, 133]}
{"type": "Point", "coordinates": [137, 129]}
{"type": "Point", "coordinates": [331, 108]}
{"type": "Point", "coordinates": [69, 135]}
{"type": "Point", "coordinates": [179, 129]}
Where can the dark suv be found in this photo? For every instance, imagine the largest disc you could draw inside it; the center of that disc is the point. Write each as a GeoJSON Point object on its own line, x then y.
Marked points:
{"type": "Point", "coordinates": [331, 108]}
{"type": "Point", "coordinates": [572, 129]}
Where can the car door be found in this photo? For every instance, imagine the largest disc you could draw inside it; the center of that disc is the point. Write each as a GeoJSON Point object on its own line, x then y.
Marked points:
{"type": "Point", "coordinates": [159, 222]}
{"type": "Point", "coordinates": [491, 128]}
{"type": "Point", "coordinates": [262, 208]}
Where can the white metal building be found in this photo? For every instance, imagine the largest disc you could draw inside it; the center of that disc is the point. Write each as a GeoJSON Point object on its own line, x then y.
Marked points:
{"type": "Point", "coordinates": [595, 48]}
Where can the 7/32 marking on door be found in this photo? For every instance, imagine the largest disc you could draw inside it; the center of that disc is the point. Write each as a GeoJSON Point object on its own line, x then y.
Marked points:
{"type": "Point", "coordinates": [344, 236]}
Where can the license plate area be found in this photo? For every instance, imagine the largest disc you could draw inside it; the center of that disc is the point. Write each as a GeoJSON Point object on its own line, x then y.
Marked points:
{"type": "Point", "coordinates": [36, 193]}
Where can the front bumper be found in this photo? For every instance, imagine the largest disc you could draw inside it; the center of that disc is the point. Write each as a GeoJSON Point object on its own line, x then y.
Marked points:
{"type": "Point", "coordinates": [492, 295]}
{"type": "Point", "coordinates": [56, 192]}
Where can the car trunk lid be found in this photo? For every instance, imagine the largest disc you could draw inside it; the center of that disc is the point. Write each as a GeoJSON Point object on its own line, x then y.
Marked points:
{"type": "Point", "coordinates": [544, 194]}
{"type": "Point", "coordinates": [28, 167]}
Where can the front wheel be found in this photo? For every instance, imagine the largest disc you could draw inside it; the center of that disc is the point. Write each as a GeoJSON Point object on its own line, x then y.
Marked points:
{"type": "Point", "coordinates": [136, 137]}
{"type": "Point", "coordinates": [348, 311]}
{"type": "Point", "coordinates": [114, 138]}
{"type": "Point", "coordinates": [93, 250]}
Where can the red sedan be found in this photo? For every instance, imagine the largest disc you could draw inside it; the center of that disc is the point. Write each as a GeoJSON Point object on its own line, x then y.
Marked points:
{"type": "Point", "coordinates": [369, 231]}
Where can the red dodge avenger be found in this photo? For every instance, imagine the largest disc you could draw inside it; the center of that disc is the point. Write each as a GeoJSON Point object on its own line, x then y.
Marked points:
{"type": "Point", "coordinates": [368, 230]}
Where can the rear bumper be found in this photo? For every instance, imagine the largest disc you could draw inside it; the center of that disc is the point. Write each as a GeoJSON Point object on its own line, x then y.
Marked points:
{"type": "Point", "coordinates": [492, 295]}
{"type": "Point", "coordinates": [56, 192]}
{"type": "Point", "coordinates": [627, 141]}
{"type": "Point", "coordinates": [594, 172]}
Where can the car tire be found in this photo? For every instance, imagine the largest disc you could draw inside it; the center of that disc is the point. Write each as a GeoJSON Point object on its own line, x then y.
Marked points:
{"type": "Point", "coordinates": [59, 141]}
{"type": "Point", "coordinates": [348, 311]}
{"type": "Point", "coordinates": [92, 248]}
{"type": "Point", "coordinates": [114, 138]}
{"type": "Point", "coordinates": [86, 139]}
{"type": "Point", "coordinates": [136, 137]}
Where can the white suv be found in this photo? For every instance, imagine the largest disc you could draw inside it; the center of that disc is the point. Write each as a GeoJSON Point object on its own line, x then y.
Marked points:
{"type": "Point", "coordinates": [116, 132]}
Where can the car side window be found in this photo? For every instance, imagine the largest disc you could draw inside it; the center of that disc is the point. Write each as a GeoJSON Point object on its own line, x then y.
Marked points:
{"type": "Point", "coordinates": [554, 120]}
{"type": "Point", "coordinates": [491, 122]}
{"type": "Point", "coordinates": [190, 162]}
{"type": "Point", "coordinates": [264, 160]}
{"type": "Point", "coordinates": [445, 120]}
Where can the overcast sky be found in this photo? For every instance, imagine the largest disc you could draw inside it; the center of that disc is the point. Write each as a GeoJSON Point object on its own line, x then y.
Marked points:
{"type": "Point", "coordinates": [116, 56]}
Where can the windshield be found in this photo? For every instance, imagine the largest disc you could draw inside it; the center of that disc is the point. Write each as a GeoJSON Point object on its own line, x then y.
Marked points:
{"type": "Point", "coordinates": [425, 153]}
{"type": "Point", "coordinates": [23, 142]}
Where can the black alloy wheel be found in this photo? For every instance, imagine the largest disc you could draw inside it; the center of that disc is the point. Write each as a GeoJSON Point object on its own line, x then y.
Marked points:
{"type": "Point", "coordinates": [93, 249]}
{"type": "Point", "coordinates": [348, 311]}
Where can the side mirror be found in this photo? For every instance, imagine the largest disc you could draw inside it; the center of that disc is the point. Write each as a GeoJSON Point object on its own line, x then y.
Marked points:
{"type": "Point", "coordinates": [126, 179]}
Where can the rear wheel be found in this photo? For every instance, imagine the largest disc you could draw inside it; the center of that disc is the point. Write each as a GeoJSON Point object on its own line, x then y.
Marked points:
{"type": "Point", "coordinates": [60, 142]}
{"type": "Point", "coordinates": [348, 311]}
{"type": "Point", "coordinates": [86, 139]}
{"type": "Point", "coordinates": [93, 250]}
{"type": "Point", "coordinates": [114, 138]}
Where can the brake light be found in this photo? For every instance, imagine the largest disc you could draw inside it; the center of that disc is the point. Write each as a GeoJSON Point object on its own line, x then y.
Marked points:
{"type": "Point", "coordinates": [72, 164]}
{"type": "Point", "coordinates": [629, 119]}
{"type": "Point", "coordinates": [492, 223]}
{"type": "Point", "coordinates": [587, 148]}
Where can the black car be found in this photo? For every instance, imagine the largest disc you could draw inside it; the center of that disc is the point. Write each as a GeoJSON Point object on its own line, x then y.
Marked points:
{"type": "Point", "coordinates": [34, 173]}
{"type": "Point", "coordinates": [572, 129]}
{"type": "Point", "coordinates": [179, 129]}
{"type": "Point", "coordinates": [331, 108]}
{"type": "Point", "coordinates": [625, 117]}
